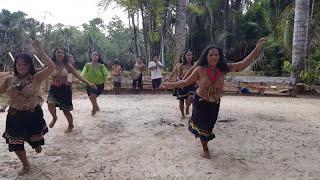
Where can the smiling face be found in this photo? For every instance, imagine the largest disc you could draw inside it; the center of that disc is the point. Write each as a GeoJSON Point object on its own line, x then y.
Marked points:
{"type": "Point", "coordinates": [213, 57]}
{"type": "Point", "coordinates": [22, 67]}
{"type": "Point", "coordinates": [60, 54]}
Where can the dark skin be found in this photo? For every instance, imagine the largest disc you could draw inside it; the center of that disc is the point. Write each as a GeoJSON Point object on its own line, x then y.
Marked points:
{"type": "Point", "coordinates": [23, 71]}
{"type": "Point", "coordinates": [51, 105]}
{"type": "Point", "coordinates": [182, 70]}
{"type": "Point", "coordinates": [199, 74]}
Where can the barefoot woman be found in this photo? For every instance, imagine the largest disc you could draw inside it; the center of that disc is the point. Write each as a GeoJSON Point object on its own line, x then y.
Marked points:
{"type": "Point", "coordinates": [25, 117]}
{"type": "Point", "coordinates": [60, 93]}
{"type": "Point", "coordinates": [185, 94]}
{"type": "Point", "coordinates": [210, 72]}
{"type": "Point", "coordinates": [96, 73]}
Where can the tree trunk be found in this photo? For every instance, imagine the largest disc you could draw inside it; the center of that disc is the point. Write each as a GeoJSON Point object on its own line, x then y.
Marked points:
{"type": "Point", "coordinates": [135, 36]}
{"type": "Point", "coordinates": [226, 28]}
{"type": "Point", "coordinates": [212, 29]}
{"type": "Point", "coordinates": [138, 34]}
{"type": "Point", "coordinates": [163, 31]}
{"type": "Point", "coordinates": [299, 46]}
{"type": "Point", "coordinates": [145, 32]}
{"type": "Point", "coordinates": [180, 28]}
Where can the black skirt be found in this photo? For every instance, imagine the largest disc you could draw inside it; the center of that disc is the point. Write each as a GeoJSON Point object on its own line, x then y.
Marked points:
{"type": "Point", "coordinates": [175, 93]}
{"type": "Point", "coordinates": [26, 126]}
{"type": "Point", "coordinates": [61, 96]}
{"type": "Point", "coordinates": [98, 91]}
{"type": "Point", "coordinates": [184, 92]}
{"type": "Point", "coordinates": [203, 119]}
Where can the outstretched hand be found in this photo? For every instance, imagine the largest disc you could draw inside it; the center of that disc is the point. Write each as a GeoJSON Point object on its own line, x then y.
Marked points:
{"type": "Point", "coordinates": [164, 85]}
{"type": "Point", "coordinates": [261, 43]}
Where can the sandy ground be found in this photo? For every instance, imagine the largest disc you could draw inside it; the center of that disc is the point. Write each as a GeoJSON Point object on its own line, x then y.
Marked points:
{"type": "Point", "coordinates": [142, 137]}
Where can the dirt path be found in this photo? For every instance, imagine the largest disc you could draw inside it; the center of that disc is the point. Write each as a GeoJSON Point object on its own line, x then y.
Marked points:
{"type": "Point", "coordinates": [142, 137]}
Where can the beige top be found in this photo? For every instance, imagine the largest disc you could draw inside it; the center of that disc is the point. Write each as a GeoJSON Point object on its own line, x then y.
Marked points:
{"type": "Point", "coordinates": [23, 96]}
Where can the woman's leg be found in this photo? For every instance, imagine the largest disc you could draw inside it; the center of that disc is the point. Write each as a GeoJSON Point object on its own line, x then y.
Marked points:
{"type": "Point", "coordinates": [95, 106]}
{"type": "Point", "coordinates": [188, 103]}
{"type": "Point", "coordinates": [52, 110]}
{"type": "Point", "coordinates": [206, 153]}
{"type": "Point", "coordinates": [70, 121]}
{"type": "Point", "coordinates": [95, 100]}
{"type": "Point", "coordinates": [181, 106]}
{"type": "Point", "coordinates": [22, 155]}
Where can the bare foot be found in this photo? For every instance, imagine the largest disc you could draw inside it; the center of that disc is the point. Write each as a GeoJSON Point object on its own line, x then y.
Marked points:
{"type": "Point", "coordinates": [24, 170]}
{"type": "Point", "coordinates": [182, 116]}
{"type": "Point", "coordinates": [53, 122]}
{"type": "Point", "coordinates": [206, 154]}
{"type": "Point", "coordinates": [69, 129]}
{"type": "Point", "coordinates": [38, 149]}
{"type": "Point", "coordinates": [93, 112]}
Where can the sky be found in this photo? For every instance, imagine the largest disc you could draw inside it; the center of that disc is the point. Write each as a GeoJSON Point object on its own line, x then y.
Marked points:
{"type": "Point", "coordinates": [67, 12]}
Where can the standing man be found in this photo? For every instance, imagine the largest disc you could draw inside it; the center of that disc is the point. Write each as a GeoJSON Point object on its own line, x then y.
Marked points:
{"type": "Point", "coordinates": [155, 67]}
{"type": "Point", "coordinates": [138, 69]}
{"type": "Point", "coordinates": [116, 77]}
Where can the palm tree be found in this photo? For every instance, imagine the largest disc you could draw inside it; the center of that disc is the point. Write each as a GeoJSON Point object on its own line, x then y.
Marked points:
{"type": "Point", "coordinates": [180, 28]}
{"type": "Point", "coordinates": [300, 38]}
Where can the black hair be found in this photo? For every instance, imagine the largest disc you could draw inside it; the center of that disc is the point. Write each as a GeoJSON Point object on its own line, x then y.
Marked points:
{"type": "Point", "coordinates": [65, 59]}
{"type": "Point", "coordinates": [183, 57]}
{"type": "Point", "coordinates": [203, 61]}
{"type": "Point", "coordinates": [28, 60]}
{"type": "Point", "coordinates": [99, 59]}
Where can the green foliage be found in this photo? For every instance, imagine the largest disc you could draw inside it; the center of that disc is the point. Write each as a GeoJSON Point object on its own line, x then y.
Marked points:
{"type": "Point", "coordinates": [287, 66]}
{"type": "Point", "coordinates": [196, 9]}
{"type": "Point", "coordinates": [311, 75]}
{"type": "Point", "coordinates": [112, 41]}
{"type": "Point", "coordinates": [154, 37]}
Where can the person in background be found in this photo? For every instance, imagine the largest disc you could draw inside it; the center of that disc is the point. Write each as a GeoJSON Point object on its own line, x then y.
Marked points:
{"type": "Point", "coordinates": [138, 70]}
{"type": "Point", "coordinates": [185, 94]}
{"type": "Point", "coordinates": [116, 77]}
{"type": "Point", "coordinates": [155, 67]}
{"type": "Point", "coordinates": [96, 73]}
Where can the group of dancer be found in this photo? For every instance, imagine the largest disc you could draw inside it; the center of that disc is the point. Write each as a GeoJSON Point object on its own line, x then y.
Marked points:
{"type": "Point", "coordinates": [200, 83]}
{"type": "Point", "coordinates": [25, 122]}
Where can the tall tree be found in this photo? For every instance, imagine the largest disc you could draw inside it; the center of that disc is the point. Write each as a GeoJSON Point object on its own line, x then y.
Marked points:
{"type": "Point", "coordinates": [300, 33]}
{"type": "Point", "coordinates": [180, 28]}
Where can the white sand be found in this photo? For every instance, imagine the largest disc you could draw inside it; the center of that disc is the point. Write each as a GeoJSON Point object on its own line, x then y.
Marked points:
{"type": "Point", "coordinates": [142, 137]}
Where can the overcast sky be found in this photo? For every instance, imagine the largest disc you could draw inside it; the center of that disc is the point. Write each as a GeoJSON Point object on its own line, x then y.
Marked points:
{"type": "Point", "coordinates": [68, 12]}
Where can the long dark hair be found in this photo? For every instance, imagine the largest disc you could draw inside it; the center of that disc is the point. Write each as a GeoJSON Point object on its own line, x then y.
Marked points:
{"type": "Point", "coordinates": [203, 61]}
{"type": "Point", "coordinates": [100, 59]}
{"type": "Point", "coordinates": [184, 59]}
{"type": "Point", "coordinates": [28, 60]}
{"type": "Point", "coordinates": [65, 59]}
